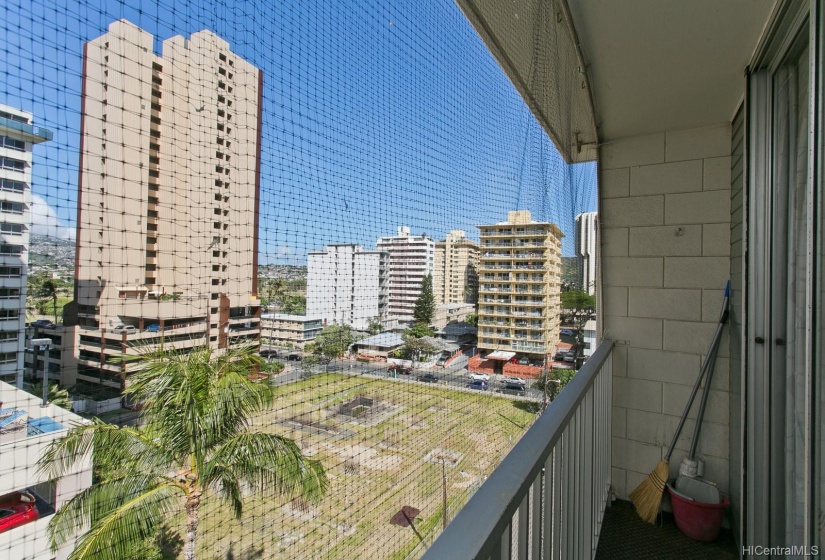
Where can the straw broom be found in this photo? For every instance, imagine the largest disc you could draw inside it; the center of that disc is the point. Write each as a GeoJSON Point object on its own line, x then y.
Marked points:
{"type": "Point", "coordinates": [647, 497]}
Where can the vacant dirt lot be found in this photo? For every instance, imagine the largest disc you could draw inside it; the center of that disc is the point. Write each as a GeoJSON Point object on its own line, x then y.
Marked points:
{"type": "Point", "coordinates": [385, 455]}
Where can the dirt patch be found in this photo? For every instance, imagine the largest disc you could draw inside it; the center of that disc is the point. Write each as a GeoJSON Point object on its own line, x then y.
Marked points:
{"type": "Point", "coordinates": [467, 480]}
{"type": "Point", "coordinates": [449, 458]}
{"type": "Point", "coordinates": [356, 456]}
{"type": "Point", "coordinates": [363, 411]}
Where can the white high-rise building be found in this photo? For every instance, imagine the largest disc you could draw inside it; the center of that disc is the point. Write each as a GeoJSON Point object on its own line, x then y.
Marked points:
{"type": "Point", "coordinates": [586, 248]}
{"type": "Point", "coordinates": [17, 137]}
{"type": "Point", "coordinates": [167, 233]}
{"type": "Point", "coordinates": [346, 285]}
{"type": "Point", "coordinates": [411, 258]}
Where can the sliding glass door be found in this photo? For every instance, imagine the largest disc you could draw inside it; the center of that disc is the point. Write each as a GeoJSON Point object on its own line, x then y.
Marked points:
{"type": "Point", "coordinates": [783, 336]}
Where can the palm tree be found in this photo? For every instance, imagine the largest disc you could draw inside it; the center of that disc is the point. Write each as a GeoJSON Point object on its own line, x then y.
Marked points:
{"type": "Point", "coordinates": [48, 289]}
{"type": "Point", "coordinates": [196, 443]}
{"type": "Point", "coordinates": [56, 396]}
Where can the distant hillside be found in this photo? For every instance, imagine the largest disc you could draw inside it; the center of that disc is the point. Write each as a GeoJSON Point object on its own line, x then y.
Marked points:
{"type": "Point", "coordinates": [569, 270]}
{"type": "Point", "coordinates": [52, 254]}
{"type": "Point", "coordinates": [285, 271]}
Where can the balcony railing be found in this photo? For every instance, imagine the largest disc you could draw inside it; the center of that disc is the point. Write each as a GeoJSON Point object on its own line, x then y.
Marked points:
{"type": "Point", "coordinates": [547, 498]}
{"type": "Point", "coordinates": [32, 133]}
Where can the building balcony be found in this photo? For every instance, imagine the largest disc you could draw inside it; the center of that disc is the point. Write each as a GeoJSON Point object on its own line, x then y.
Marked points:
{"type": "Point", "coordinates": [528, 347]}
{"type": "Point", "coordinates": [494, 256]}
{"type": "Point", "coordinates": [27, 132]}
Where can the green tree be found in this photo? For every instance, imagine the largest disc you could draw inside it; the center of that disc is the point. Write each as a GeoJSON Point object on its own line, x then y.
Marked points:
{"type": "Point", "coordinates": [273, 289]}
{"type": "Point", "coordinates": [375, 326]}
{"type": "Point", "coordinates": [45, 290]}
{"type": "Point", "coordinates": [333, 341]}
{"type": "Point", "coordinates": [308, 362]}
{"type": "Point", "coordinates": [554, 380]}
{"type": "Point", "coordinates": [418, 330]}
{"type": "Point", "coordinates": [273, 367]}
{"type": "Point", "coordinates": [425, 304]}
{"type": "Point", "coordinates": [578, 308]}
{"type": "Point", "coordinates": [472, 319]}
{"type": "Point", "coordinates": [417, 347]}
{"type": "Point", "coordinates": [57, 396]}
{"type": "Point", "coordinates": [196, 412]}
{"type": "Point", "coordinates": [294, 305]}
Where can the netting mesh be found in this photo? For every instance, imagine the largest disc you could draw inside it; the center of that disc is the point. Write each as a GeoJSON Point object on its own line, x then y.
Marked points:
{"type": "Point", "coordinates": [276, 183]}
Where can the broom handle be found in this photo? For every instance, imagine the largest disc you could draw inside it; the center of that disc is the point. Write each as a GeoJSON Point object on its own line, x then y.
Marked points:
{"type": "Point", "coordinates": [696, 385]}
{"type": "Point", "coordinates": [711, 359]}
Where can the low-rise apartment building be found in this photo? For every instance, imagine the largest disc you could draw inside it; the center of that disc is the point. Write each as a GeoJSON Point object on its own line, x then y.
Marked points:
{"type": "Point", "coordinates": [446, 313]}
{"type": "Point", "coordinates": [278, 329]}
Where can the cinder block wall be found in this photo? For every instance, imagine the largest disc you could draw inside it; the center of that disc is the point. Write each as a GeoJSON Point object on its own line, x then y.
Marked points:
{"type": "Point", "coordinates": [665, 229]}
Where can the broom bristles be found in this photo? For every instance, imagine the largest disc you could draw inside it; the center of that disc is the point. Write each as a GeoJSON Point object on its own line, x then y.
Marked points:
{"type": "Point", "coordinates": [647, 497]}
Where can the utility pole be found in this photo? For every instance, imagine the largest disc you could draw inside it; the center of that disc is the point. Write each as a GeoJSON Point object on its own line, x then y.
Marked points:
{"type": "Point", "coordinates": [444, 493]}
{"type": "Point", "coordinates": [545, 381]}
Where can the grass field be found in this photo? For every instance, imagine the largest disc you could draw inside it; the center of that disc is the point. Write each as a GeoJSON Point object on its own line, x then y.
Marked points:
{"type": "Point", "coordinates": [385, 454]}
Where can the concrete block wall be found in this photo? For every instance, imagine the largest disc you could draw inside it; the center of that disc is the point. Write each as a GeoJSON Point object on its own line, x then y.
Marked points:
{"type": "Point", "coordinates": [665, 230]}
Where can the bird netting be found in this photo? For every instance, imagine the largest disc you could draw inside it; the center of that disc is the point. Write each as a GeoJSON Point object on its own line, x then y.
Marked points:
{"type": "Point", "coordinates": [307, 255]}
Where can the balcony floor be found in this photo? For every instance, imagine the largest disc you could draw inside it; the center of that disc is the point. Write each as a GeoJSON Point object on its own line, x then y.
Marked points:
{"type": "Point", "coordinates": [625, 536]}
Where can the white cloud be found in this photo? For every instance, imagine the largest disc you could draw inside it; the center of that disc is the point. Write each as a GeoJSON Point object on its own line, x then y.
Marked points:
{"type": "Point", "coordinates": [45, 220]}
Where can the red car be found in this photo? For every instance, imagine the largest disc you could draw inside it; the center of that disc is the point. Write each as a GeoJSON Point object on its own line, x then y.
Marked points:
{"type": "Point", "coordinates": [16, 509]}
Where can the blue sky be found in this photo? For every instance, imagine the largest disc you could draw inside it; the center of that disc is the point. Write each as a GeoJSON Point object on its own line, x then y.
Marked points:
{"type": "Point", "coordinates": [376, 114]}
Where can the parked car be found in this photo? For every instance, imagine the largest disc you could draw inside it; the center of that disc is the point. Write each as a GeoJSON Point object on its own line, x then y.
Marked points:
{"type": "Point", "coordinates": [514, 380]}
{"type": "Point", "coordinates": [479, 377]}
{"type": "Point", "coordinates": [569, 357]}
{"type": "Point", "coordinates": [153, 328]}
{"type": "Point", "coordinates": [272, 354]}
{"type": "Point", "coordinates": [477, 385]}
{"type": "Point", "coordinates": [294, 357]}
{"type": "Point", "coordinates": [42, 323]}
{"type": "Point", "coordinates": [567, 332]}
{"type": "Point", "coordinates": [513, 389]}
{"type": "Point", "coordinates": [428, 378]}
{"type": "Point", "coordinates": [16, 509]}
{"type": "Point", "coordinates": [395, 368]}
{"type": "Point", "coordinates": [524, 361]}
{"type": "Point", "coordinates": [324, 360]}
{"type": "Point", "coordinates": [442, 360]}
{"type": "Point", "coordinates": [128, 329]}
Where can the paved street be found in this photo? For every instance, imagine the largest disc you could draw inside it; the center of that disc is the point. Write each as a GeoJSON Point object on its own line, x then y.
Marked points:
{"type": "Point", "coordinates": [455, 375]}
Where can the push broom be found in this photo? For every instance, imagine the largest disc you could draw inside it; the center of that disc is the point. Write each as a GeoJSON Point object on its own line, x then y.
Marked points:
{"type": "Point", "coordinates": [647, 497]}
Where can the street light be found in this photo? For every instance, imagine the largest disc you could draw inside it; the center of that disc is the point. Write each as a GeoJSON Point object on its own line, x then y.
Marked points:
{"type": "Point", "coordinates": [42, 344]}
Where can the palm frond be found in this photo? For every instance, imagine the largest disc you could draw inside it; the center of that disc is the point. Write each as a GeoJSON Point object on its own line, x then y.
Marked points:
{"type": "Point", "coordinates": [104, 444]}
{"type": "Point", "coordinates": [116, 512]}
{"type": "Point", "coordinates": [266, 462]}
{"type": "Point", "coordinates": [197, 399]}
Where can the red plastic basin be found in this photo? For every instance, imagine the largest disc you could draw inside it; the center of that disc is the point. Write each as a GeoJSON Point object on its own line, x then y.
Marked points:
{"type": "Point", "coordinates": [698, 520]}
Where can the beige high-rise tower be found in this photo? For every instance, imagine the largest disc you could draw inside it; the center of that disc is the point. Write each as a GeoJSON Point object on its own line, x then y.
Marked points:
{"type": "Point", "coordinates": [168, 196]}
{"type": "Point", "coordinates": [455, 278]}
{"type": "Point", "coordinates": [519, 288]}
